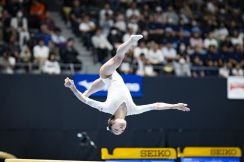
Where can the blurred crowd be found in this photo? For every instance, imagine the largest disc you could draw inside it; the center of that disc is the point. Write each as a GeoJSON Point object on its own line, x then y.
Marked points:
{"type": "Point", "coordinates": [30, 41]}
{"type": "Point", "coordinates": [181, 37]}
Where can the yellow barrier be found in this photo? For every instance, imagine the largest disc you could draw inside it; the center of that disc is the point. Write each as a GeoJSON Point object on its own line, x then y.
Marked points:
{"type": "Point", "coordinates": [139, 153]}
{"type": "Point", "coordinates": [210, 152]}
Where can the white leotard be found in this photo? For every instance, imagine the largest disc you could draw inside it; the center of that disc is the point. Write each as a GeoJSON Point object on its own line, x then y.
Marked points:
{"type": "Point", "coordinates": [118, 94]}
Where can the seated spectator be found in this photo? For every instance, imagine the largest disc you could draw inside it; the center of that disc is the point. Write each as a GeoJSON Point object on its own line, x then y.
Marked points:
{"type": "Point", "coordinates": [75, 16]}
{"type": "Point", "coordinates": [69, 54]}
{"type": "Point", "coordinates": [237, 38]}
{"type": "Point", "coordinates": [197, 61]}
{"type": "Point", "coordinates": [155, 30]}
{"type": "Point", "coordinates": [143, 67]}
{"type": "Point", "coordinates": [7, 63]}
{"type": "Point", "coordinates": [48, 21]}
{"type": "Point", "coordinates": [169, 52]}
{"type": "Point", "coordinates": [102, 45]}
{"type": "Point", "coordinates": [132, 11]}
{"type": "Point", "coordinates": [25, 57]}
{"type": "Point", "coordinates": [107, 24]}
{"type": "Point", "coordinates": [58, 38]}
{"type": "Point", "coordinates": [105, 12]}
{"type": "Point", "coordinates": [210, 41]}
{"type": "Point", "coordinates": [212, 57]}
{"type": "Point", "coordinates": [155, 56]}
{"type": "Point", "coordinates": [120, 22]}
{"type": "Point", "coordinates": [54, 50]}
{"type": "Point", "coordinates": [182, 66]}
{"type": "Point", "coordinates": [172, 16]}
{"type": "Point", "coordinates": [37, 13]}
{"type": "Point", "coordinates": [195, 39]}
{"type": "Point", "coordinates": [25, 54]}
{"type": "Point", "coordinates": [86, 28]}
{"type": "Point", "coordinates": [51, 66]}
{"type": "Point", "coordinates": [20, 24]}
{"type": "Point", "coordinates": [221, 33]}
{"type": "Point", "coordinates": [237, 70]}
{"type": "Point", "coordinates": [13, 46]}
{"type": "Point", "coordinates": [224, 71]}
{"type": "Point", "coordinates": [44, 34]}
{"type": "Point", "coordinates": [133, 24]}
{"type": "Point", "coordinates": [142, 48]}
{"type": "Point", "coordinates": [40, 52]}
{"type": "Point", "coordinates": [66, 9]}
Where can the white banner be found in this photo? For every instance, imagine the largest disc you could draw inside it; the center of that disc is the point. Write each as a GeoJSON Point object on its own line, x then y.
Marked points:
{"type": "Point", "coordinates": [235, 87]}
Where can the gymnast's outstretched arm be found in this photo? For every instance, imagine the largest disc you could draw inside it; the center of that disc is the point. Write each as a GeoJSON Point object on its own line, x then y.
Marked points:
{"type": "Point", "coordinates": [93, 103]}
{"type": "Point", "coordinates": [160, 106]}
{"type": "Point", "coordinates": [96, 86]}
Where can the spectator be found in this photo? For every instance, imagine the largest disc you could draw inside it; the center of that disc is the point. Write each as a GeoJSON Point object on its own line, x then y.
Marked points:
{"type": "Point", "coordinates": [44, 34]}
{"type": "Point", "coordinates": [182, 66]}
{"type": "Point", "coordinates": [172, 17]}
{"type": "Point", "coordinates": [70, 54]}
{"type": "Point", "coordinates": [155, 57]}
{"type": "Point", "coordinates": [143, 68]}
{"type": "Point", "coordinates": [210, 40]}
{"type": "Point", "coordinates": [105, 13]}
{"type": "Point", "coordinates": [224, 71]}
{"type": "Point", "coordinates": [37, 13]}
{"type": "Point", "coordinates": [237, 38]}
{"type": "Point", "coordinates": [132, 11]}
{"type": "Point", "coordinates": [25, 57]}
{"type": "Point", "coordinates": [20, 24]}
{"type": "Point", "coordinates": [237, 70]}
{"type": "Point", "coordinates": [86, 28]}
{"type": "Point", "coordinates": [120, 22]}
{"type": "Point", "coordinates": [40, 52]}
{"type": "Point", "coordinates": [102, 45]}
{"type": "Point", "coordinates": [107, 24]}
{"type": "Point", "coordinates": [140, 49]}
{"type": "Point", "coordinates": [48, 21]}
{"type": "Point", "coordinates": [54, 50]}
{"type": "Point", "coordinates": [75, 15]}
{"type": "Point", "coordinates": [221, 33]}
{"type": "Point", "coordinates": [25, 54]}
{"type": "Point", "coordinates": [51, 66]}
{"type": "Point", "coordinates": [58, 38]}
{"type": "Point", "coordinates": [197, 60]}
{"type": "Point", "coordinates": [7, 63]}
{"type": "Point", "coordinates": [169, 52]}
{"type": "Point", "coordinates": [195, 39]}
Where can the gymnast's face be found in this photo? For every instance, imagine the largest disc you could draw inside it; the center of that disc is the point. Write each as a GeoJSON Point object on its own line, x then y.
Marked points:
{"type": "Point", "coordinates": [118, 126]}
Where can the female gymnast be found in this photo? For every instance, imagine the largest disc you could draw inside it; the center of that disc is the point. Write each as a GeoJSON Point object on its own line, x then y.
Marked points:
{"type": "Point", "coordinates": [119, 102]}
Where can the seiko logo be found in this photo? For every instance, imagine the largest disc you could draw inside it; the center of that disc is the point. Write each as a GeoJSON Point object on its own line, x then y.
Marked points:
{"type": "Point", "coordinates": [223, 152]}
{"type": "Point", "coordinates": [155, 153]}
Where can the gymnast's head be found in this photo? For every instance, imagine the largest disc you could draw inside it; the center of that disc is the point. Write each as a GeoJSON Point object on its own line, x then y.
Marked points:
{"type": "Point", "coordinates": [116, 126]}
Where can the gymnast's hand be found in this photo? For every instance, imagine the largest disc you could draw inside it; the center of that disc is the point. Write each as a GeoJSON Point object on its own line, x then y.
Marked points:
{"type": "Point", "coordinates": [181, 106]}
{"type": "Point", "coordinates": [68, 83]}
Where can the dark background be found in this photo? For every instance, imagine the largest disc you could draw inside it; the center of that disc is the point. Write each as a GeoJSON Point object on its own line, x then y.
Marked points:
{"type": "Point", "coordinates": [40, 118]}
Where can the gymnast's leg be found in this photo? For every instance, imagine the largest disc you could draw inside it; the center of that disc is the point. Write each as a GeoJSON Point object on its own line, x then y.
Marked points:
{"type": "Point", "coordinates": [112, 64]}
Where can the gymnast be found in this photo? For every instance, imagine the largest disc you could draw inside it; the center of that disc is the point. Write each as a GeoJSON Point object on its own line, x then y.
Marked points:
{"type": "Point", "coordinates": [119, 102]}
